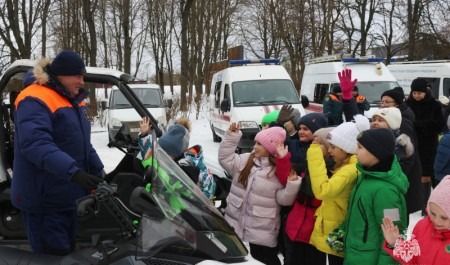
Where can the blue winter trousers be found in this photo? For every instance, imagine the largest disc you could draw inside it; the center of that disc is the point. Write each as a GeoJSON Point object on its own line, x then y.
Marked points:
{"type": "Point", "coordinates": [52, 233]}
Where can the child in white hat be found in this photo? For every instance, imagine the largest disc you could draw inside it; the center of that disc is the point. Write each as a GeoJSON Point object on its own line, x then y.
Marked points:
{"type": "Point", "coordinates": [334, 191]}
{"type": "Point", "coordinates": [253, 204]}
{"type": "Point", "coordinates": [391, 118]}
{"type": "Point", "coordinates": [430, 241]}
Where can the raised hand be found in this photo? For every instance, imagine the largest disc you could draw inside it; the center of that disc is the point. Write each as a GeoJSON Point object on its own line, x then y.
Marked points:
{"type": "Point", "coordinates": [347, 85]}
{"type": "Point", "coordinates": [234, 127]}
{"type": "Point", "coordinates": [390, 231]}
{"type": "Point", "coordinates": [145, 126]}
{"type": "Point", "coordinates": [285, 114]}
{"type": "Point", "coordinates": [282, 150]}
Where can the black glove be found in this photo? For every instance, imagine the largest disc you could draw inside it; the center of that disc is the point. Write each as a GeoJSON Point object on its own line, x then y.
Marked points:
{"type": "Point", "coordinates": [285, 114]}
{"type": "Point", "coordinates": [86, 180]}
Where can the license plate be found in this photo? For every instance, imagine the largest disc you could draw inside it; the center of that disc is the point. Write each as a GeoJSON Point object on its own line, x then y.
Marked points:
{"type": "Point", "coordinates": [135, 130]}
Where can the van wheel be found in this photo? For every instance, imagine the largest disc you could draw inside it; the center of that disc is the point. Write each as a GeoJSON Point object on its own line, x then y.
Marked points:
{"type": "Point", "coordinates": [216, 138]}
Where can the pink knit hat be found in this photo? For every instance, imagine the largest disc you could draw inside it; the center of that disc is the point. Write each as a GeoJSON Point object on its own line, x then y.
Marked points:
{"type": "Point", "coordinates": [441, 195]}
{"type": "Point", "coordinates": [269, 137]}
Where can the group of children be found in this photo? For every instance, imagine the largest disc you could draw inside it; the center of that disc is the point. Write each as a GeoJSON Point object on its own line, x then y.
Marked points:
{"type": "Point", "coordinates": [346, 187]}
{"type": "Point", "coordinates": [320, 194]}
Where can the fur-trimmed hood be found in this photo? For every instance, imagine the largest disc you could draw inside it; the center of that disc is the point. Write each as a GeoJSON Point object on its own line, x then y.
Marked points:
{"type": "Point", "coordinates": [40, 71]}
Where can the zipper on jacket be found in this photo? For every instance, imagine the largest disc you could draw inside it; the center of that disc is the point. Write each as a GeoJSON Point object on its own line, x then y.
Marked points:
{"type": "Point", "coordinates": [350, 205]}
{"type": "Point", "coordinates": [364, 216]}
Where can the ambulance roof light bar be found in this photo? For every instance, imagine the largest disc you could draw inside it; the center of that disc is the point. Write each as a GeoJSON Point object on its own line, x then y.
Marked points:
{"type": "Point", "coordinates": [265, 61]}
{"type": "Point", "coordinates": [362, 59]}
{"type": "Point", "coordinates": [330, 58]}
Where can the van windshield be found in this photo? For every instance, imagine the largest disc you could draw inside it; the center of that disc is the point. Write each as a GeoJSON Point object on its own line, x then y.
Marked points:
{"type": "Point", "coordinates": [373, 90]}
{"type": "Point", "coordinates": [150, 97]}
{"type": "Point", "coordinates": [264, 92]}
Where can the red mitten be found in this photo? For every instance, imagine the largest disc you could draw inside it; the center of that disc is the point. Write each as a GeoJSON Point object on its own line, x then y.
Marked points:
{"type": "Point", "coordinates": [347, 85]}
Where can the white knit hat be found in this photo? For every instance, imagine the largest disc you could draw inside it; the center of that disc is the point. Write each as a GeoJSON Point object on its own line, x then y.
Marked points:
{"type": "Point", "coordinates": [344, 136]}
{"type": "Point", "coordinates": [392, 116]}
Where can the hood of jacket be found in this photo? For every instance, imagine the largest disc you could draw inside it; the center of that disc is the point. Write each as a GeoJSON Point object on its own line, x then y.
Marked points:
{"type": "Point", "coordinates": [42, 77]}
{"type": "Point", "coordinates": [394, 176]}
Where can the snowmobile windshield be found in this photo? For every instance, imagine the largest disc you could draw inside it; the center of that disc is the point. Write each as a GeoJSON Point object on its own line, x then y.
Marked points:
{"type": "Point", "coordinates": [186, 222]}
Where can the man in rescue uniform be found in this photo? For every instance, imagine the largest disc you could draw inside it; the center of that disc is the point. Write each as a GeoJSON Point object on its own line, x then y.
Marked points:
{"type": "Point", "coordinates": [361, 101]}
{"type": "Point", "coordinates": [54, 160]}
{"type": "Point", "coordinates": [332, 106]}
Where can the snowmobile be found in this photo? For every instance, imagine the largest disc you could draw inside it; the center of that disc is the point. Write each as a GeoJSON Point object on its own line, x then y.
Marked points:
{"type": "Point", "coordinates": [165, 220]}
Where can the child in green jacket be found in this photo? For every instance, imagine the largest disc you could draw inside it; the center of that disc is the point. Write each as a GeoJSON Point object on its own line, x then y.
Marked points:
{"type": "Point", "coordinates": [379, 192]}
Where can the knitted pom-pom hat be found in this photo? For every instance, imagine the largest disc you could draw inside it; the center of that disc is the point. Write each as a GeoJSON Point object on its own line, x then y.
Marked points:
{"type": "Point", "coordinates": [269, 138]}
{"type": "Point", "coordinates": [344, 136]}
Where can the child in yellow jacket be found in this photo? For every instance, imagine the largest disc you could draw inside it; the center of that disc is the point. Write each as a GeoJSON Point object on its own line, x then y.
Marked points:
{"type": "Point", "coordinates": [334, 191]}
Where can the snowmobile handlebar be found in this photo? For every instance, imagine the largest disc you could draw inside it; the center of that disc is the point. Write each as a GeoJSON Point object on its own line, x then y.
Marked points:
{"type": "Point", "coordinates": [83, 204]}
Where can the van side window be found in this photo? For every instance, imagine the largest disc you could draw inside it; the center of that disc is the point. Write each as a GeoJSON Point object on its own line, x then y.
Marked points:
{"type": "Point", "coordinates": [217, 94]}
{"type": "Point", "coordinates": [434, 83]}
{"type": "Point", "coordinates": [319, 92]}
{"type": "Point", "coordinates": [446, 87]}
{"type": "Point", "coordinates": [226, 93]}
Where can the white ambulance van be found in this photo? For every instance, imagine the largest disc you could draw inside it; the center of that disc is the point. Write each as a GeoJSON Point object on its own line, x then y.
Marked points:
{"type": "Point", "coordinates": [437, 73]}
{"type": "Point", "coordinates": [245, 93]}
{"type": "Point", "coordinates": [321, 74]}
{"type": "Point", "coordinates": [121, 112]}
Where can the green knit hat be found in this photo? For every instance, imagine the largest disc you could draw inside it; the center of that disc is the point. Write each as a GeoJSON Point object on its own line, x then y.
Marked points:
{"type": "Point", "coordinates": [270, 117]}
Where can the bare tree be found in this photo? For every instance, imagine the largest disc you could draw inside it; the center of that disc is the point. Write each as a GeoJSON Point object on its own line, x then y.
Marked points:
{"type": "Point", "coordinates": [259, 29]}
{"type": "Point", "coordinates": [391, 31]}
{"type": "Point", "coordinates": [161, 16]}
{"type": "Point", "coordinates": [44, 19]}
{"type": "Point", "coordinates": [185, 9]}
{"type": "Point", "coordinates": [414, 13]}
{"type": "Point", "coordinates": [291, 18]}
{"type": "Point", "coordinates": [20, 21]}
{"type": "Point", "coordinates": [323, 17]}
{"type": "Point", "coordinates": [365, 11]}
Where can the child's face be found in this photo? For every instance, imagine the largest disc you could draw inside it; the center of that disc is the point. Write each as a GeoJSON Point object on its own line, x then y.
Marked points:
{"type": "Point", "coordinates": [305, 134]}
{"type": "Point", "coordinates": [265, 126]}
{"type": "Point", "coordinates": [378, 122]}
{"type": "Point", "coordinates": [337, 154]}
{"type": "Point", "coordinates": [364, 157]}
{"type": "Point", "coordinates": [438, 217]}
{"type": "Point", "coordinates": [260, 150]}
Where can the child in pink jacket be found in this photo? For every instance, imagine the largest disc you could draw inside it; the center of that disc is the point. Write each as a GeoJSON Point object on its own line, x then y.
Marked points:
{"type": "Point", "coordinates": [253, 204]}
{"type": "Point", "coordinates": [430, 240]}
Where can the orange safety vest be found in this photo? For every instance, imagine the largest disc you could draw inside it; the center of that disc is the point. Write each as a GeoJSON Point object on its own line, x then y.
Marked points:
{"type": "Point", "coordinates": [360, 99]}
{"type": "Point", "coordinates": [333, 97]}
